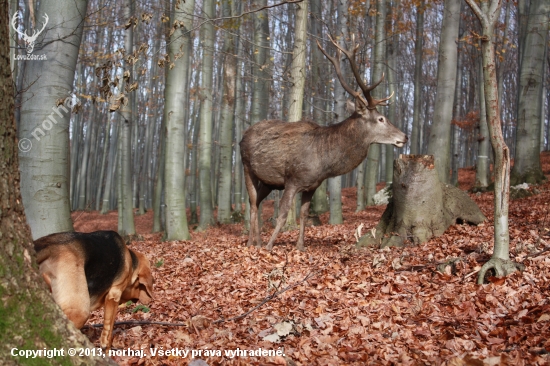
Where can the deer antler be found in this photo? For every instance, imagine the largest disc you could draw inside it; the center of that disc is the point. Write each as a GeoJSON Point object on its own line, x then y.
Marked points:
{"type": "Point", "coordinates": [336, 62]}
{"type": "Point", "coordinates": [370, 102]}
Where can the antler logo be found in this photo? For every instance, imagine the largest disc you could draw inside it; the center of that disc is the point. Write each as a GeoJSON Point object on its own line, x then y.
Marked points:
{"type": "Point", "coordinates": [29, 40]}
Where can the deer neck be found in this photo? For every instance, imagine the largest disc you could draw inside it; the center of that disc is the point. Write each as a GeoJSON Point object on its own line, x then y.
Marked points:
{"type": "Point", "coordinates": [347, 146]}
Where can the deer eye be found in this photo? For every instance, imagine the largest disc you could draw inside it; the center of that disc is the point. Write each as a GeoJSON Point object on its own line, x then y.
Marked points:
{"type": "Point", "coordinates": [380, 119]}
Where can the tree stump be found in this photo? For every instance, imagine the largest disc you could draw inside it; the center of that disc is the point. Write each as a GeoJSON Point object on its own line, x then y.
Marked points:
{"type": "Point", "coordinates": [421, 207]}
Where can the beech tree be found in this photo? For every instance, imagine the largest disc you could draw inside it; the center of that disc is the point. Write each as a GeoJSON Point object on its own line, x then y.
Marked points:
{"type": "Point", "coordinates": [45, 115]}
{"type": "Point", "coordinates": [500, 261]}
{"type": "Point", "coordinates": [439, 143]}
{"type": "Point", "coordinates": [527, 167]}
{"type": "Point", "coordinates": [29, 317]}
{"type": "Point", "coordinates": [206, 217]}
{"type": "Point", "coordinates": [298, 81]}
{"type": "Point", "coordinates": [176, 95]}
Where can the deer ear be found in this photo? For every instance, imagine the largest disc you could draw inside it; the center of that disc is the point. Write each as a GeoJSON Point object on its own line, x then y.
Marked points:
{"type": "Point", "coordinates": [360, 106]}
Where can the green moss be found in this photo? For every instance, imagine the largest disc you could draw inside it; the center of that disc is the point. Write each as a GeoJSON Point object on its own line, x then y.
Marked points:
{"type": "Point", "coordinates": [25, 316]}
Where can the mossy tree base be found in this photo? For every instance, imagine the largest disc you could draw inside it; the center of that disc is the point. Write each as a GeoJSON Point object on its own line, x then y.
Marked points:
{"type": "Point", "coordinates": [421, 207]}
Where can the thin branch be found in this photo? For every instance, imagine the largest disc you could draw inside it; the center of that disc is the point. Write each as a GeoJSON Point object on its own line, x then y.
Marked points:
{"type": "Point", "coordinates": [238, 317]}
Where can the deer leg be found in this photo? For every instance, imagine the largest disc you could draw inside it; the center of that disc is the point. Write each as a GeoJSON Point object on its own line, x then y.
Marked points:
{"type": "Point", "coordinates": [304, 210]}
{"type": "Point", "coordinates": [284, 206]}
{"type": "Point", "coordinates": [252, 197]}
{"type": "Point", "coordinates": [256, 193]}
{"type": "Point", "coordinates": [262, 192]}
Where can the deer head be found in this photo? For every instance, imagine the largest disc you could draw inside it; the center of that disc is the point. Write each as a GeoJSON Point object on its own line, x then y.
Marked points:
{"type": "Point", "coordinates": [29, 40]}
{"type": "Point", "coordinates": [365, 104]}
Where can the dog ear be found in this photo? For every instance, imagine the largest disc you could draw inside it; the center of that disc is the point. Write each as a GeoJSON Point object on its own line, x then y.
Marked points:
{"type": "Point", "coordinates": [146, 281]}
{"type": "Point", "coordinates": [145, 292]}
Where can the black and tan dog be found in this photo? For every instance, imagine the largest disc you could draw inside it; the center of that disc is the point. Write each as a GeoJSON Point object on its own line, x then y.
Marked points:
{"type": "Point", "coordinates": [88, 270]}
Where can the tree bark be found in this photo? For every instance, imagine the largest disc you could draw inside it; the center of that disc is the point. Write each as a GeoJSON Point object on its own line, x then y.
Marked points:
{"type": "Point", "coordinates": [484, 149]}
{"type": "Point", "coordinates": [439, 143]}
{"type": "Point", "coordinates": [379, 62]}
{"type": "Point", "coordinates": [176, 94]}
{"type": "Point", "coordinates": [227, 119]}
{"type": "Point", "coordinates": [335, 183]}
{"type": "Point", "coordinates": [298, 81]}
{"type": "Point", "coordinates": [527, 167]}
{"type": "Point", "coordinates": [206, 217]}
{"type": "Point", "coordinates": [500, 260]}
{"type": "Point", "coordinates": [417, 102]}
{"type": "Point", "coordinates": [30, 319]}
{"type": "Point", "coordinates": [319, 202]}
{"type": "Point", "coordinates": [44, 134]}
{"type": "Point", "coordinates": [126, 224]}
{"type": "Point", "coordinates": [422, 206]}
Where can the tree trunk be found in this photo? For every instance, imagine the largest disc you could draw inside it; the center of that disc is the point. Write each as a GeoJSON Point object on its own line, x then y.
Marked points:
{"type": "Point", "coordinates": [206, 218]}
{"type": "Point", "coordinates": [106, 202]}
{"type": "Point", "coordinates": [319, 202]}
{"type": "Point", "coordinates": [227, 119]}
{"type": "Point", "coordinates": [422, 206]}
{"type": "Point", "coordinates": [484, 148]}
{"type": "Point", "coordinates": [44, 134]}
{"type": "Point", "coordinates": [298, 81]}
{"type": "Point", "coordinates": [30, 319]}
{"type": "Point", "coordinates": [379, 60]}
{"type": "Point", "coordinates": [439, 143]}
{"type": "Point", "coordinates": [175, 96]}
{"type": "Point", "coordinates": [500, 260]}
{"type": "Point", "coordinates": [125, 208]}
{"type": "Point", "coordinates": [527, 167]}
{"type": "Point", "coordinates": [335, 183]}
{"type": "Point", "coordinates": [417, 102]}
{"type": "Point", "coordinates": [239, 127]}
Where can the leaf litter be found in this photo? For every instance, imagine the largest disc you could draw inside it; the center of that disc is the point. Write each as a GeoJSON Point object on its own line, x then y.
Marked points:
{"type": "Point", "coordinates": [334, 305]}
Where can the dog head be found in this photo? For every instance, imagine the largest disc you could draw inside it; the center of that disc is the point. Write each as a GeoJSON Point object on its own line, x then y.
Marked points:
{"type": "Point", "coordinates": [141, 284]}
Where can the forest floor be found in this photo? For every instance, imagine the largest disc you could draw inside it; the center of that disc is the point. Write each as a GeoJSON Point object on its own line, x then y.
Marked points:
{"type": "Point", "coordinates": [342, 306]}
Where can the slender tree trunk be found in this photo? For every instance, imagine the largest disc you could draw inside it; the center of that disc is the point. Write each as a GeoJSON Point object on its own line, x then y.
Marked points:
{"type": "Point", "coordinates": [44, 134]}
{"type": "Point", "coordinates": [439, 143]}
{"type": "Point", "coordinates": [298, 80]}
{"type": "Point", "coordinates": [319, 202]}
{"type": "Point", "coordinates": [125, 208]}
{"type": "Point", "coordinates": [484, 147]}
{"type": "Point", "coordinates": [417, 103]}
{"type": "Point", "coordinates": [373, 157]}
{"type": "Point", "coordinates": [391, 69]}
{"type": "Point", "coordinates": [260, 90]}
{"type": "Point", "coordinates": [175, 93]}
{"type": "Point", "coordinates": [239, 127]}
{"type": "Point", "coordinates": [106, 201]}
{"type": "Point", "coordinates": [335, 184]}
{"type": "Point", "coordinates": [527, 166]}
{"type": "Point", "coordinates": [500, 260]}
{"type": "Point", "coordinates": [227, 119]}
{"type": "Point", "coordinates": [104, 155]}
{"type": "Point", "coordinates": [206, 217]}
{"type": "Point", "coordinates": [455, 130]}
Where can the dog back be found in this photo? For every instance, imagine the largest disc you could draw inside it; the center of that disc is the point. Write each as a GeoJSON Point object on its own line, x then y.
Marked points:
{"type": "Point", "coordinates": [102, 253]}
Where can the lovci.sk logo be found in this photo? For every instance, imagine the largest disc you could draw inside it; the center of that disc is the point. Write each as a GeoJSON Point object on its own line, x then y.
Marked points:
{"type": "Point", "coordinates": [29, 39]}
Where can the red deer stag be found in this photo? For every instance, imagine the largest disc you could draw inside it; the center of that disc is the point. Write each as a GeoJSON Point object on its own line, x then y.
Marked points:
{"type": "Point", "coordinates": [298, 156]}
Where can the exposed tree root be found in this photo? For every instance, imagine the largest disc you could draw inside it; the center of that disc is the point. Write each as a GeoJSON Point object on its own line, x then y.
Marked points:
{"type": "Point", "coordinates": [501, 267]}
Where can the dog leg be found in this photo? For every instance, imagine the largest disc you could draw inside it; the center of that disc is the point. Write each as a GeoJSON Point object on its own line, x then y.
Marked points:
{"type": "Point", "coordinates": [67, 282]}
{"type": "Point", "coordinates": [111, 304]}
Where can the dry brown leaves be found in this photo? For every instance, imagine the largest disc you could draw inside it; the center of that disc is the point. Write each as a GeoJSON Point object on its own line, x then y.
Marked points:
{"type": "Point", "coordinates": [357, 307]}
